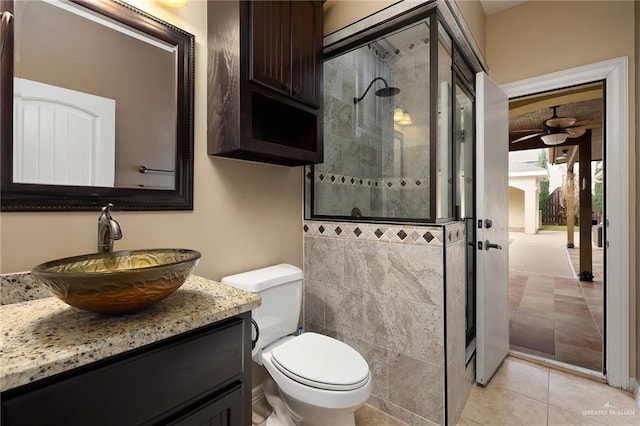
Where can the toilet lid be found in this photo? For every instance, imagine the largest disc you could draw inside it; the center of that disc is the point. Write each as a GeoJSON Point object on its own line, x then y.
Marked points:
{"type": "Point", "coordinates": [322, 362]}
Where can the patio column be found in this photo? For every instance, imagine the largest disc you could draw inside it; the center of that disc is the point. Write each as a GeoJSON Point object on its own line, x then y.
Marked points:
{"type": "Point", "coordinates": [586, 266]}
{"type": "Point", "coordinates": [570, 207]}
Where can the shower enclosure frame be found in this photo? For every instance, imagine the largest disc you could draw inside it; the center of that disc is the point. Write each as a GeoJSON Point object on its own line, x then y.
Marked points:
{"type": "Point", "coordinates": [430, 12]}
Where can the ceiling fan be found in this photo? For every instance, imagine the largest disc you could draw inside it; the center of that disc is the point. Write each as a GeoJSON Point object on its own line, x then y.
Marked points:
{"type": "Point", "coordinates": [556, 130]}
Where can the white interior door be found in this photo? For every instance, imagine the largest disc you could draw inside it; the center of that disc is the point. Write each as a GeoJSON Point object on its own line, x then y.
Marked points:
{"type": "Point", "coordinates": [492, 280]}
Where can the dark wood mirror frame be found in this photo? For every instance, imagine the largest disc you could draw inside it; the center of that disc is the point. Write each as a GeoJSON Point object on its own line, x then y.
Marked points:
{"type": "Point", "coordinates": [33, 197]}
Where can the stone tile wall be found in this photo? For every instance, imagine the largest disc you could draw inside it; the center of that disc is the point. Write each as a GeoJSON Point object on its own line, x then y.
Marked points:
{"type": "Point", "coordinates": [380, 288]}
{"type": "Point", "coordinates": [460, 377]}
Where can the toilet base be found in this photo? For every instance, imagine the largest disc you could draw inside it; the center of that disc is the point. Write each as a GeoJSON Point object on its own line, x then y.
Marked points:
{"type": "Point", "coordinates": [276, 421]}
{"type": "Point", "coordinates": [281, 414]}
{"type": "Point", "coordinates": [345, 420]}
{"type": "Point", "coordinates": [316, 416]}
{"type": "Point", "coordinates": [288, 411]}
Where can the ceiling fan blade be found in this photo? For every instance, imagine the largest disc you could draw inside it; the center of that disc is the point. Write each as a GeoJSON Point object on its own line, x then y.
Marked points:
{"type": "Point", "coordinates": [576, 132]}
{"type": "Point", "coordinates": [560, 122]}
{"type": "Point", "coordinates": [524, 138]}
{"type": "Point", "coordinates": [590, 124]}
{"type": "Point", "coordinates": [526, 130]}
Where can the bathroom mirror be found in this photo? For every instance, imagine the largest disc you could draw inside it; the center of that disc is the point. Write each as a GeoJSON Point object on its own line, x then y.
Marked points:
{"type": "Point", "coordinates": [96, 107]}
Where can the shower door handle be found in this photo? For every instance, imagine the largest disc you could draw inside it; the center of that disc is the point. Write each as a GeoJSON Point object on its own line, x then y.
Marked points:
{"type": "Point", "coordinates": [489, 245]}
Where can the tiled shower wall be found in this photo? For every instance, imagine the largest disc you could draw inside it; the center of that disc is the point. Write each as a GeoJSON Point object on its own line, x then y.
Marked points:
{"type": "Point", "coordinates": [381, 289]}
{"type": "Point", "coordinates": [370, 164]}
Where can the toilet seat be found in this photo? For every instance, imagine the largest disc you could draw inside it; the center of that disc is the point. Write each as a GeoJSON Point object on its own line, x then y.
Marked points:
{"type": "Point", "coordinates": [321, 362]}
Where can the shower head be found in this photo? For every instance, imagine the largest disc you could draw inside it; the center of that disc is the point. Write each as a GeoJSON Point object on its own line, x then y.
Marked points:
{"type": "Point", "coordinates": [385, 92]}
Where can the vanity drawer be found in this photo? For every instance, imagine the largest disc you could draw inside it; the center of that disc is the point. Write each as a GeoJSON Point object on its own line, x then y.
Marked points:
{"type": "Point", "coordinates": [145, 387]}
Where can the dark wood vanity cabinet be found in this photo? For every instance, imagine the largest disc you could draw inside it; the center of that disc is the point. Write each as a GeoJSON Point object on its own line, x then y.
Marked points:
{"type": "Point", "coordinates": [200, 377]}
{"type": "Point", "coordinates": [264, 91]}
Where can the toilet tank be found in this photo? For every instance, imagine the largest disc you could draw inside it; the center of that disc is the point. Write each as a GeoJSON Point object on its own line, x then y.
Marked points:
{"type": "Point", "coordinates": [280, 288]}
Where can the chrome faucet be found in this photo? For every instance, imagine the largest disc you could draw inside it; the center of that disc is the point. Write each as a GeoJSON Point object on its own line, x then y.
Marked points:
{"type": "Point", "coordinates": [108, 230]}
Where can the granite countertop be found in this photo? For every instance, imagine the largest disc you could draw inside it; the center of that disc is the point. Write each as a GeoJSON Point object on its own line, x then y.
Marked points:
{"type": "Point", "coordinates": [44, 337]}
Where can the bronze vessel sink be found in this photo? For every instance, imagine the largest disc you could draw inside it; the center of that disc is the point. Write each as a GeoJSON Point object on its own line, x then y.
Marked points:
{"type": "Point", "coordinates": [117, 282]}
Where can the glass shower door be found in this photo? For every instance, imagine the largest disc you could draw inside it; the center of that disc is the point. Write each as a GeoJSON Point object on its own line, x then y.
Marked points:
{"type": "Point", "coordinates": [378, 159]}
{"type": "Point", "coordinates": [464, 197]}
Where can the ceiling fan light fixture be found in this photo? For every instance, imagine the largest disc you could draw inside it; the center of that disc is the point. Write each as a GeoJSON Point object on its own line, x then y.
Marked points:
{"type": "Point", "coordinates": [554, 138]}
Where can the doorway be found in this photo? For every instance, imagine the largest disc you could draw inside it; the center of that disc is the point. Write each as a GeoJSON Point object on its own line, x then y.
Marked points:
{"type": "Point", "coordinates": [614, 74]}
{"type": "Point", "coordinates": [555, 211]}
{"type": "Point", "coordinates": [556, 303]}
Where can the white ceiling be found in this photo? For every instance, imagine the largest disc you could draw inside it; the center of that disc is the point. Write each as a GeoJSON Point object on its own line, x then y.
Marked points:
{"type": "Point", "coordinates": [494, 6]}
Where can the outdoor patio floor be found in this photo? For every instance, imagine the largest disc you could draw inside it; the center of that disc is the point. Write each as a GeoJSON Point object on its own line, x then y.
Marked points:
{"type": "Point", "coordinates": [555, 316]}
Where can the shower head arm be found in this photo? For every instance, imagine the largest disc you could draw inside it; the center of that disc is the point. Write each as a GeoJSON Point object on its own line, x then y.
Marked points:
{"type": "Point", "coordinates": [386, 85]}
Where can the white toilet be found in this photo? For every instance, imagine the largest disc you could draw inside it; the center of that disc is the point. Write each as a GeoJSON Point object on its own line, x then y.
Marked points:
{"type": "Point", "coordinates": [321, 380]}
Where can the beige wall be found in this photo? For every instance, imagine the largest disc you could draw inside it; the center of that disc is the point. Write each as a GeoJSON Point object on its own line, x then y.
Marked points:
{"type": "Point", "coordinates": [518, 45]}
{"type": "Point", "coordinates": [245, 215]}
{"type": "Point", "coordinates": [474, 17]}
{"type": "Point", "coordinates": [340, 13]}
{"type": "Point", "coordinates": [637, 185]}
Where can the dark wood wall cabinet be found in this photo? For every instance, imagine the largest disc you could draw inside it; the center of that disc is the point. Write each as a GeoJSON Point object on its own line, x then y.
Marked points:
{"type": "Point", "coordinates": [200, 377]}
{"type": "Point", "coordinates": [264, 88]}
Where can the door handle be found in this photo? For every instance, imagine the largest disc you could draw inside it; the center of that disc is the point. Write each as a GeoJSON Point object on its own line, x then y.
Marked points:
{"type": "Point", "coordinates": [488, 245]}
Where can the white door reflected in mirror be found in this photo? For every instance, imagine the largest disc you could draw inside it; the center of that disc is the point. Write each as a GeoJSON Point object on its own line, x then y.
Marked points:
{"type": "Point", "coordinates": [62, 136]}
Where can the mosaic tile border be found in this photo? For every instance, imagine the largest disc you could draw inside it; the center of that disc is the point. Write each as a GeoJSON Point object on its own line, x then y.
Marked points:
{"type": "Point", "coordinates": [346, 180]}
{"type": "Point", "coordinates": [404, 234]}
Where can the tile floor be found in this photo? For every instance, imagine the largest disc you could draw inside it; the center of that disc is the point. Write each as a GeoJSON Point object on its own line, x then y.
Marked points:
{"type": "Point", "coordinates": [556, 317]}
{"type": "Point", "coordinates": [365, 416]}
{"type": "Point", "coordinates": [370, 416]}
{"type": "Point", "coordinates": [522, 393]}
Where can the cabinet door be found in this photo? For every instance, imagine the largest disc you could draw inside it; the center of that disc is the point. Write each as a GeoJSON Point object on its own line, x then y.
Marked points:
{"type": "Point", "coordinates": [270, 51]}
{"type": "Point", "coordinates": [306, 51]}
{"type": "Point", "coordinates": [224, 410]}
